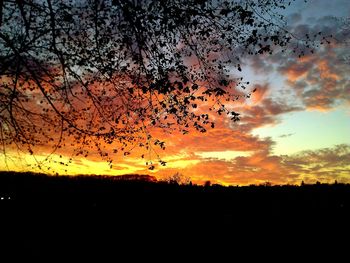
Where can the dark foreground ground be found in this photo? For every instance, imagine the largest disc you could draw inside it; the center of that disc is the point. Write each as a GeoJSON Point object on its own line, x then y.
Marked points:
{"type": "Point", "coordinates": [60, 218]}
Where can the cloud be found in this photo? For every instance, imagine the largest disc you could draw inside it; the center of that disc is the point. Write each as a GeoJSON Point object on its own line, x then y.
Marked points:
{"type": "Point", "coordinates": [264, 111]}
{"type": "Point", "coordinates": [260, 64]}
{"type": "Point", "coordinates": [324, 164]}
{"type": "Point", "coordinates": [192, 154]}
{"type": "Point", "coordinates": [255, 169]}
{"type": "Point", "coordinates": [296, 69]}
{"type": "Point", "coordinates": [293, 18]}
{"type": "Point", "coordinates": [339, 155]}
{"type": "Point", "coordinates": [286, 135]}
{"type": "Point", "coordinates": [320, 80]}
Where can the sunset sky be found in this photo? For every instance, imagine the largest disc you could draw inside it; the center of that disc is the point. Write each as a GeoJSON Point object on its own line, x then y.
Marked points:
{"type": "Point", "coordinates": [295, 127]}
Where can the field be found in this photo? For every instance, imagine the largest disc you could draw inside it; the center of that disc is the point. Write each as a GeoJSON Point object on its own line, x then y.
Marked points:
{"type": "Point", "coordinates": [59, 217]}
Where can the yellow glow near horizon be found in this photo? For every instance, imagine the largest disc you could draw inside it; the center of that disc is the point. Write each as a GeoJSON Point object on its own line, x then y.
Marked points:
{"type": "Point", "coordinates": [224, 155]}
{"type": "Point", "coordinates": [60, 164]}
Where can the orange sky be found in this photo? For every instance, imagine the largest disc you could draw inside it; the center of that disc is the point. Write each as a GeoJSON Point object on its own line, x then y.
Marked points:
{"type": "Point", "coordinates": [229, 154]}
{"type": "Point", "coordinates": [295, 127]}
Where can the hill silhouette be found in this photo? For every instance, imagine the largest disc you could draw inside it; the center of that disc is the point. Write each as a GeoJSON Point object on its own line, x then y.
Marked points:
{"type": "Point", "coordinates": [63, 216]}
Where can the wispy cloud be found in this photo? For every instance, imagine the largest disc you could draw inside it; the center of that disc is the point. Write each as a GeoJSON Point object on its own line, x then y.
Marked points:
{"type": "Point", "coordinates": [286, 135]}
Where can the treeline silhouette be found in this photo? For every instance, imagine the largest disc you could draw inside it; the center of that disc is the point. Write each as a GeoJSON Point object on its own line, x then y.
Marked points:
{"type": "Point", "coordinates": [63, 216]}
{"type": "Point", "coordinates": [35, 189]}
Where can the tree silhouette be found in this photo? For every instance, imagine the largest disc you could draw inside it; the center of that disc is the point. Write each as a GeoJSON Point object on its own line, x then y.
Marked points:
{"type": "Point", "coordinates": [96, 74]}
{"type": "Point", "coordinates": [179, 179]}
{"type": "Point", "coordinates": [207, 183]}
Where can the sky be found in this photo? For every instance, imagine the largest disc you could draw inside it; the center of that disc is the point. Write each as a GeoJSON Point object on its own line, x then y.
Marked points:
{"type": "Point", "coordinates": [295, 127]}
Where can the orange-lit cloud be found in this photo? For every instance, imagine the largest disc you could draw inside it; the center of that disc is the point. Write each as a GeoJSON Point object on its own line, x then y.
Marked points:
{"type": "Point", "coordinates": [320, 80]}
{"type": "Point", "coordinates": [228, 154]}
{"type": "Point", "coordinates": [325, 84]}
{"type": "Point", "coordinates": [295, 70]}
{"type": "Point", "coordinates": [263, 111]}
